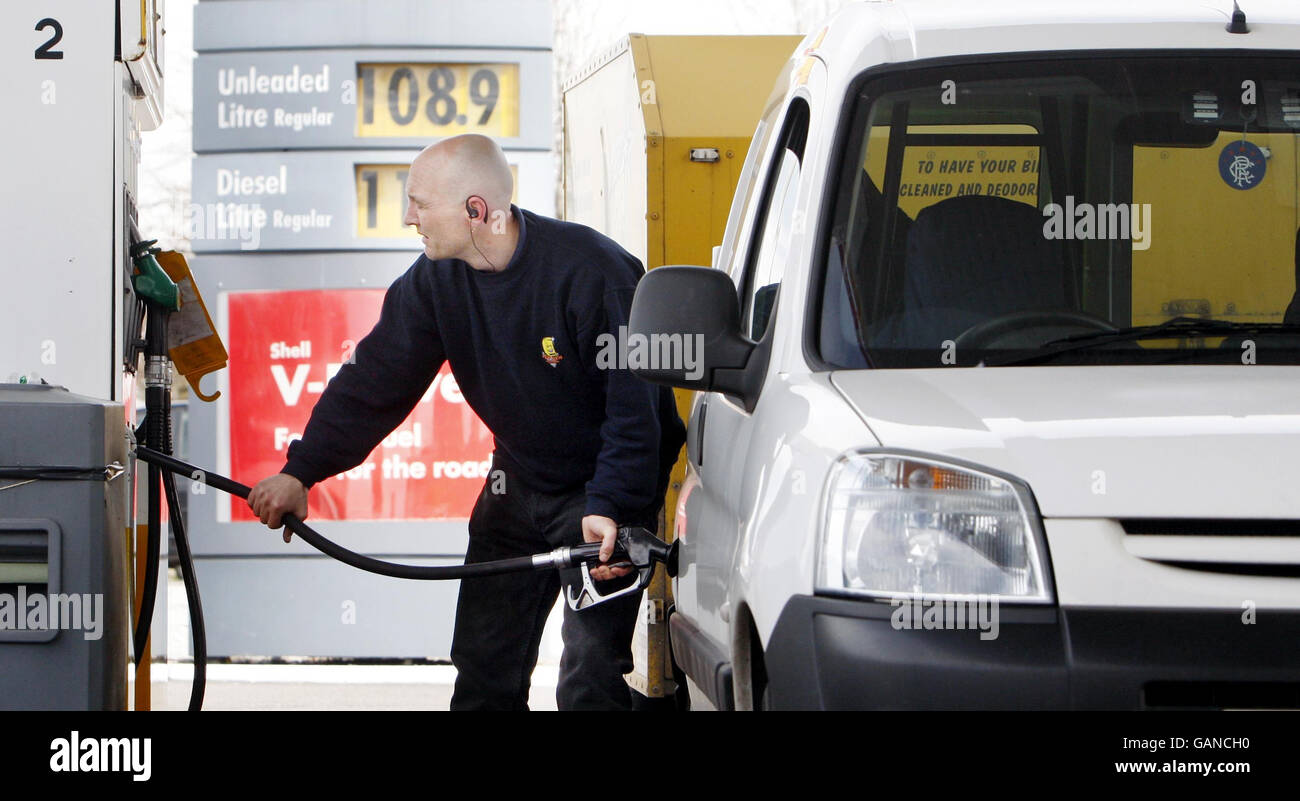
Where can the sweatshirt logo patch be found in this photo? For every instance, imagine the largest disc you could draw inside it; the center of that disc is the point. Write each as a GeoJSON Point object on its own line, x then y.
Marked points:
{"type": "Point", "coordinates": [549, 353]}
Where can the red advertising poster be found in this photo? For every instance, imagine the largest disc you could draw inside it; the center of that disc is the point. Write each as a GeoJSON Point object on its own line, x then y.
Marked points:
{"type": "Point", "coordinates": [284, 347]}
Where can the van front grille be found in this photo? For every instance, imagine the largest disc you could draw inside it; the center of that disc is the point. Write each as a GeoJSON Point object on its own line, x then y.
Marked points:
{"type": "Point", "coordinates": [1200, 527]}
{"type": "Point", "coordinates": [1237, 547]}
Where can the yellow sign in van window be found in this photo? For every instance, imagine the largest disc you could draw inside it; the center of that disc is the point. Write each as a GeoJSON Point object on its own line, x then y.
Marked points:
{"type": "Point", "coordinates": [931, 174]}
{"type": "Point", "coordinates": [435, 100]}
{"type": "Point", "coordinates": [1215, 250]}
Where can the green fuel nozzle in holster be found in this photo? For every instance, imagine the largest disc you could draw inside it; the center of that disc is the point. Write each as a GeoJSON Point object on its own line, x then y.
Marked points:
{"type": "Point", "coordinates": [150, 281]}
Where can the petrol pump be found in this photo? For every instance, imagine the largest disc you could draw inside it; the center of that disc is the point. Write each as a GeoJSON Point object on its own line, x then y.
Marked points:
{"type": "Point", "coordinates": [84, 80]}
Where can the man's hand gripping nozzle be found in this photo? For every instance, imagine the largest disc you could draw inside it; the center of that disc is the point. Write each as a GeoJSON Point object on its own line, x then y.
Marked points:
{"type": "Point", "coordinates": [636, 547]}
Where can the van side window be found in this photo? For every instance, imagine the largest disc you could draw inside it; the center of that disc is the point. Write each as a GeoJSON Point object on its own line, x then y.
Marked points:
{"type": "Point", "coordinates": [775, 229]}
{"type": "Point", "coordinates": [741, 221]}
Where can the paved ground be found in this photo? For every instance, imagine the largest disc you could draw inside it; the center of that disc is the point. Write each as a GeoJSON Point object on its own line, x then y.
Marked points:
{"type": "Point", "coordinates": [327, 687]}
{"type": "Point", "coordinates": [322, 687]}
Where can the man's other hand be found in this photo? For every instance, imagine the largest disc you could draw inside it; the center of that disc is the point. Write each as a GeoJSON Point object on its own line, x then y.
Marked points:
{"type": "Point", "coordinates": [596, 528]}
{"type": "Point", "coordinates": [276, 495]}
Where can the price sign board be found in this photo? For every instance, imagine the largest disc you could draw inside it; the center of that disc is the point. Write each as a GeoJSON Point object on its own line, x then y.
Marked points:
{"type": "Point", "coordinates": [370, 98]}
{"type": "Point", "coordinates": [307, 114]}
{"type": "Point", "coordinates": [436, 100]}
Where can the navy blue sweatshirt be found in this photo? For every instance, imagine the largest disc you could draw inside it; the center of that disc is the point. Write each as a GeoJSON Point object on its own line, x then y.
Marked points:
{"type": "Point", "coordinates": [522, 344]}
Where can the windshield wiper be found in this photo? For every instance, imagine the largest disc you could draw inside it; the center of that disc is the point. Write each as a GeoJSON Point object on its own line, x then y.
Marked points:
{"type": "Point", "coordinates": [1177, 327]}
{"type": "Point", "coordinates": [1169, 329]}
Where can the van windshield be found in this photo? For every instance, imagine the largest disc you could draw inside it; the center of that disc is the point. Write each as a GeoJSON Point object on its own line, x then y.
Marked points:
{"type": "Point", "coordinates": [1102, 210]}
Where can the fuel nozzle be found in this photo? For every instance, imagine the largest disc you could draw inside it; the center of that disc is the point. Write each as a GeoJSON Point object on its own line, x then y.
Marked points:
{"type": "Point", "coordinates": [150, 280]}
{"type": "Point", "coordinates": [635, 546]}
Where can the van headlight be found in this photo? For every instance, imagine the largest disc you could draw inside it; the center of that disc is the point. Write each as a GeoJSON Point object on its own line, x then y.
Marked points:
{"type": "Point", "coordinates": [900, 524]}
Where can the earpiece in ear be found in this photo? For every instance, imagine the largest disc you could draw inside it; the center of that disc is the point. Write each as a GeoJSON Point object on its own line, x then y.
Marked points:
{"type": "Point", "coordinates": [471, 211]}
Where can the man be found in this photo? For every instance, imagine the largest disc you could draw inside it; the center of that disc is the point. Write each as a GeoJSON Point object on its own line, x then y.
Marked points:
{"type": "Point", "coordinates": [516, 303]}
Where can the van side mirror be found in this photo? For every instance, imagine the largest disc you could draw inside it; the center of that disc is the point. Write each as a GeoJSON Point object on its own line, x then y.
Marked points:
{"type": "Point", "coordinates": [687, 319]}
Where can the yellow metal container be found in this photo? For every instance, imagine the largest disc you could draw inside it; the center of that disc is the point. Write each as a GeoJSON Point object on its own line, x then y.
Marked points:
{"type": "Point", "coordinates": [655, 134]}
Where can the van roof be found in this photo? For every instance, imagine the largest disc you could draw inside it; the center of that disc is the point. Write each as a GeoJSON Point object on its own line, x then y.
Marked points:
{"type": "Point", "coordinates": [923, 29]}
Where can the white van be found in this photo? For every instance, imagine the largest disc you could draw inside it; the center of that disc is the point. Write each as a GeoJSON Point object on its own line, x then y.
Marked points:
{"type": "Point", "coordinates": [999, 404]}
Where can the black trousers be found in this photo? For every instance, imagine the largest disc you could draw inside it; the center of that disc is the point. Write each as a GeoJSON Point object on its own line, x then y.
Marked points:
{"type": "Point", "coordinates": [499, 619]}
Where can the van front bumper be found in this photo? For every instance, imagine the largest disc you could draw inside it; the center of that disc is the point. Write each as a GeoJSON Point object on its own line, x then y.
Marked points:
{"type": "Point", "coordinates": [836, 653]}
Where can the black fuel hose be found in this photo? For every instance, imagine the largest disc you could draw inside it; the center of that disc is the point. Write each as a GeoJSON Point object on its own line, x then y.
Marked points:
{"type": "Point", "coordinates": [198, 631]}
{"type": "Point", "coordinates": [169, 466]}
{"type": "Point", "coordinates": [577, 553]}
{"type": "Point", "coordinates": [157, 427]}
{"type": "Point", "coordinates": [153, 551]}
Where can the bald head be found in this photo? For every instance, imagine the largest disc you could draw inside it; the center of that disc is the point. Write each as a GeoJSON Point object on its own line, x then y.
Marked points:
{"type": "Point", "coordinates": [439, 186]}
{"type": "Point", "coordinates": [463, 166]}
